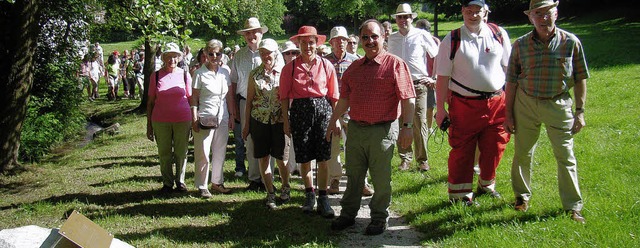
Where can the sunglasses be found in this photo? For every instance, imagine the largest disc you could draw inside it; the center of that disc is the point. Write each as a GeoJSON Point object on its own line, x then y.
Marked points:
{"type": "Point", "coordinates": [218, 54]}
{"type": "Point", "coordinates": [352, 42]}
{"type": "Point", "coordinates": [403, 16]}
{"type": "Point", "coordinates": [291, 53]}
{"type": "Point", "coordinates": [373, 37]}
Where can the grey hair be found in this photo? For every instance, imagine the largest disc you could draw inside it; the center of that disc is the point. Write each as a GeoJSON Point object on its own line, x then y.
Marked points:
{"type": "Point", "coordinates": [213, 43]}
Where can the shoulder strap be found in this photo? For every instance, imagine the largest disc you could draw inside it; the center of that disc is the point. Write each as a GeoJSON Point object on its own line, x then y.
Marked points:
{"type": "Point", "coordinates": [497, 33]}
{"type": "Point", "coordinates": [157, 79]}
{"type": "Point", "coordinates": [455, 43]}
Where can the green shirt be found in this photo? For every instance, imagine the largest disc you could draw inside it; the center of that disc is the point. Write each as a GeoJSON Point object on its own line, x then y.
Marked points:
{"type": "Point", "coordinates": [265, 106]}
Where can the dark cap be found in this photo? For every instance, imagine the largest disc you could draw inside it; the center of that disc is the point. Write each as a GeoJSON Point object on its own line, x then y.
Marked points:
{"type": "Point", "coordinates": [480, 3]}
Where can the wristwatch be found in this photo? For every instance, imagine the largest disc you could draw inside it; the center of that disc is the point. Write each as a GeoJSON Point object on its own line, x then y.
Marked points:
{"type": "Point", "coordinates": [407, 125]}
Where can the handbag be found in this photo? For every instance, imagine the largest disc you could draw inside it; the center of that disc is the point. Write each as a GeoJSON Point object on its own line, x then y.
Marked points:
{"type": "Point", "coordinates": [208, 122]}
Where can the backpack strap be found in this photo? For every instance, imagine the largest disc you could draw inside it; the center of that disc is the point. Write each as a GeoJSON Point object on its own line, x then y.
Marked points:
{"type": "Point", "coordinates": [455, 38]}
{"type": "Point", "coordinates": [497, 33]}
{"type": "Point", "coordinates": [455, 43]}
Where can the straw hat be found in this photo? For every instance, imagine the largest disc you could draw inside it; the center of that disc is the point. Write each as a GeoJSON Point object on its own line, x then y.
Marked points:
{"type": "Point", "coordinates": [339, 31]}
{"type": "Point", "coordinates": [537, 4]}
{"type": "Point", "coordinates": [404, 9]}
{"type": "Point", "coordinates": [171, 48]}
{"type": "Point", "coordinates": [289, 46]}
{"type": "Point", "coordinates": [309, 31]}
{"type": "Point", "coordinates": [251, 24]}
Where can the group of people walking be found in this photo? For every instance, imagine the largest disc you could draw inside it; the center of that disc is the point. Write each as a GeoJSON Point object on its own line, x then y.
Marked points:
{"type": "Point", "coordinates": [292, 106]}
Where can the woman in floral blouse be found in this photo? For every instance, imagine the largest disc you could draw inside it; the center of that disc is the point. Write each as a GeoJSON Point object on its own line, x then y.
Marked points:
{"type": "Point", "coordinates": [266, 120]}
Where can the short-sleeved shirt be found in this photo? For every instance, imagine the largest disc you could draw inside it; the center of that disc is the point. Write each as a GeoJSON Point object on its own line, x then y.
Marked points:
{"type": "Point", "coordinates": [319, 81]}
{"type": "Point", "coordinates": [266, 104]}
{"type": "Point", "coordinates": [341, 64]}
{"type": "Point", "coordinates": [172, 96]}
{"type": "Point", "coordinates": [241, 65]}
{"type": "Point", "coordinates": [375, 88]}
{"type": "Point", "coordinates": [414, 48]}
{"type": "Point", "coordinates": [547, 70]}
{"type": "Point", "coordinates": [479, 62]}
{"type": "Point", "coordinates": [213, 86]}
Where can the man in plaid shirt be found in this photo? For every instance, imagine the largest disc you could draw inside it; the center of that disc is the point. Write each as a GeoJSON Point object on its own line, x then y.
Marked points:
{"type": "Point", "coordinates": [372, 89]}
{"type": "Point", "coordinates": [544, 65]}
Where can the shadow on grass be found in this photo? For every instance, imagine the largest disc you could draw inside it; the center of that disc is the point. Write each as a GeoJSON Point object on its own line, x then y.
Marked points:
{"type": "Point", "coordinates": [243, 223]}
{"type": "Point", "coordinates": [453, 218]}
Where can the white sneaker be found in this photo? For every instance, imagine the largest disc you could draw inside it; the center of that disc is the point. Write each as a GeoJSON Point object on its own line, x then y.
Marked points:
{"type": "Point", "coordinates": [239, 174]}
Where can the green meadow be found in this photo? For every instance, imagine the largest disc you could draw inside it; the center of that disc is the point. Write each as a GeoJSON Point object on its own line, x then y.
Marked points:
{"type": "Point", "coordinates": [114, 179]}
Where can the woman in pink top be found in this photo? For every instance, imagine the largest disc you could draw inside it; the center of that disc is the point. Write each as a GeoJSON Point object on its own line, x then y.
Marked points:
{"type": "Point", "coordinates": [311, 82]}
{"type": "Point", "coordinates": [169, 117]}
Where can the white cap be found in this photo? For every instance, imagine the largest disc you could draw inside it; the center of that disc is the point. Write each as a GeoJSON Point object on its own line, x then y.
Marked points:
{"type": "Point", "coordinates": [269, 44]}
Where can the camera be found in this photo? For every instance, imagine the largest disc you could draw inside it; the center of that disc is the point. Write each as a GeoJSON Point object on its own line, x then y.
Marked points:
{"type": "Point", "coordinates": [445, 124]}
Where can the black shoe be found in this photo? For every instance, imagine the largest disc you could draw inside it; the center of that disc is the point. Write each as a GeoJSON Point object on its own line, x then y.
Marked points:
{"type": "Point", "coordinates": [466, 201]}
{"type": "Point", "coordinates": [376, 227]}
{"type": "Point", "coordinates": [342, 223]}
{"type": "Point", "coordinates": [254, 186]}
{"type": "Point", "coordinates": [480, 191]}
{"type": "Point", "coordinates": [181, 187]}
{"type": "Point", "coordinates": [166, 189]}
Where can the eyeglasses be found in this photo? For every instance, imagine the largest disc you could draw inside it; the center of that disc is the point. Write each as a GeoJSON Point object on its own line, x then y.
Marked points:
{"type": "Point", "coordinates": [291, 53]}
{"type": "Point", "coordinates": [352, 42]}
{"type": "Point", "coordinates": [373, 37]}
{"type": "Point", "coordinates": [218, 54]}
{"type": "Point", "coordinates": [403, 16]}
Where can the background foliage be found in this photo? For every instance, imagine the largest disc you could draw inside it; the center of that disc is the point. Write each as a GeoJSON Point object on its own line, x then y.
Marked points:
{"type": "Point", "coordinates": [53, 112]}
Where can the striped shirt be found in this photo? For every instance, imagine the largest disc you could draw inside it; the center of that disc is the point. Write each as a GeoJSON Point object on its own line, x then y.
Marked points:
{"type": "Point", "coordinates": [546, 70]}
{"type": "Point", "coordinates": [375, 88]}
{"type": "Point", "coordinates": [341, 64]}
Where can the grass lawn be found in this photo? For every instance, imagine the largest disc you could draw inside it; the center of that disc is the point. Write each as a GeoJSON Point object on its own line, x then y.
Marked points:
{"type": "Point", "coordinates": [114, 180]}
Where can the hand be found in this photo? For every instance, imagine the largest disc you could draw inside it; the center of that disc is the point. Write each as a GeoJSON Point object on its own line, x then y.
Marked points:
{"type": "Point", "coordinates": [232, 123]}
{"type": "Point", "coordinates": [286, 128]}
{"type": "Point", "coordinates": [578, 122]}
{"type": "Point", "coordinates": [440, 116]}
{"type": "Point", "coordinates": [245, 132]}
{"type": "Point", "coordinates": [195, 126]}
{"type": "Point", "coordinates": [150, 135]}
{"type": "Point", "coordinates": [509, 125]}
{"type": "Point", "coordinates": [332, 129]}
{"type": "Point", "coordinates": [405, 138]}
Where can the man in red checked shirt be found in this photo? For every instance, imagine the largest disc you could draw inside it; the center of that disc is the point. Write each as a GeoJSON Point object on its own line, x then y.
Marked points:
{"type": "Point", "coordinates": [372, 88]}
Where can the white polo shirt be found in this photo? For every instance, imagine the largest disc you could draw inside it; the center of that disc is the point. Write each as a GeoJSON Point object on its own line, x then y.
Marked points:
{"type": "Point", "coordinates": [414, 49]}
{"type": "Point", "coordinates": [479, 62]}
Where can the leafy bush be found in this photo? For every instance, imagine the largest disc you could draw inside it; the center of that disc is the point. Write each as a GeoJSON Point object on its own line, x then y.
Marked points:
{"type": "Point", "coordinates": [53, 113]}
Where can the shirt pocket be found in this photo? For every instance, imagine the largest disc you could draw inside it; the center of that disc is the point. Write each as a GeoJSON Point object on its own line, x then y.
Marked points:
{"type": "Point", "coordinates": [566, 66]}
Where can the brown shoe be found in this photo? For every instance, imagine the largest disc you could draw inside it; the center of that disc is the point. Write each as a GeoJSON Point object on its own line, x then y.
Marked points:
{"type": "Point", "coordinates": [367, 190]}
{"type": "Point", "coordinates": [577, 217]}
{"type": "Point", "coordinates": [219, 188]}
{"type": "Point", "coordinates": [404, 166]}
{"type": "Point", "coordinates": [521, 204]}
{"type": "Point", "coordinates": [424, 166]}
{"type": "Point", "coordinates": [334, 188]}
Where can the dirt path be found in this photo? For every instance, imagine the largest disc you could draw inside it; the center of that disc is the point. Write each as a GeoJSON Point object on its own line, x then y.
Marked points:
{"type": "Point", "coordinates": [399, 233]}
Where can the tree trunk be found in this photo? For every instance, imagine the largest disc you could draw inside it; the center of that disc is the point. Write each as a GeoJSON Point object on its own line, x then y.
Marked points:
{"type": "Point", "coordinates": [435, 18]}
{"type": "Point", "coordinates": [19, 33]}
{"type": "Point", "coordinates": [149, 67]}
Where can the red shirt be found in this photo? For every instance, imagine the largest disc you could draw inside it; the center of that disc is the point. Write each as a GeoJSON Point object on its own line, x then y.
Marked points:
{"type": "Point", "coordinates": [319, 81]}
{"type": "Point", "coordinates": [375, 87]}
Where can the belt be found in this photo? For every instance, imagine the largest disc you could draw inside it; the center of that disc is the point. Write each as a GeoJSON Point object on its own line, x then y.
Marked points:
{"type": "Point", "coordinates": [480, 97]}
{"type": "Point", "coordinates": [366, 124]}
{"type": "Point", "coordinates": [542, 97]}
